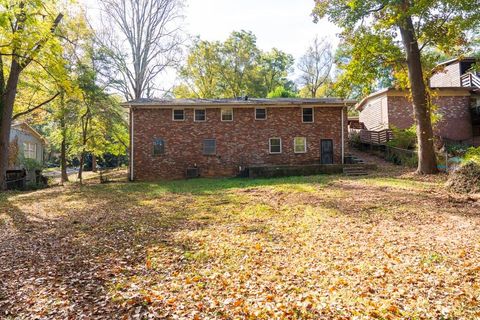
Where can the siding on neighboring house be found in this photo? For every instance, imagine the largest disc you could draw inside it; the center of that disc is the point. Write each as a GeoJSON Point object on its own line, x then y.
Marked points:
{"type": "Point", "coordinates": [375, 114]}
{"type": "Point", "coordinates": [449, 77]}
{"type": "Point", "coordinates": [239, 143]}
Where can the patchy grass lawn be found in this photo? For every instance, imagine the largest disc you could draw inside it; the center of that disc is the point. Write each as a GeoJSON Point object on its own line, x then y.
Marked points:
{"type": "Point", "coordinates": [386, 246]}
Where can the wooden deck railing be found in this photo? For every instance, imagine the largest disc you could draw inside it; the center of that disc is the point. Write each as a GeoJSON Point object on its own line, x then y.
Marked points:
{"type": "Point", "coordinates": [470, 80]}
{"type": "Point", "coordinates": [376, 137]}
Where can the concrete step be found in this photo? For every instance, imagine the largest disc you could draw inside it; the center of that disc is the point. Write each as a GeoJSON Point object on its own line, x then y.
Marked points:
{"type": "Point", "coordinates": [355, 171]}
{"type": "Point", "coordinates": [354, 174]}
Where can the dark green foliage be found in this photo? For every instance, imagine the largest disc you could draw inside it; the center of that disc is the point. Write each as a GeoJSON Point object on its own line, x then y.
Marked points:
{"type": "Point", "coordinates": [403, 138]}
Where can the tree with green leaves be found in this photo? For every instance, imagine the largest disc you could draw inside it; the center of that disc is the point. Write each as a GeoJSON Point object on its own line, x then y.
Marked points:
{"type": "Point", "coordinates": [200, 74]}
{"type": "Point", "coordinates": [275, 66]}
{"type": "Point", "coordinates": [408, 27]}
{"type": "Point", "coordinates": [27, 36]}
{"type": "Point", "coordinates": [232, 68]}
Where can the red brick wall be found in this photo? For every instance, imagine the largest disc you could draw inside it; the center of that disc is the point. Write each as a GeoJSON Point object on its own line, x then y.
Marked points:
{"type": "Point", "coordinates": [455, 122]}
{"type": "Point", "coordinates": [400, 112]}
{"type": "Point", "coordinates": [242, 142]}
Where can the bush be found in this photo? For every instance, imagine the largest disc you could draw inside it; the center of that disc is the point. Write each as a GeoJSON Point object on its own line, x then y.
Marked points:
{"type": "Point", "coordinates": [465, 179]}
{"type": "Point", "coordinates": [403, 138]}
{"type": "Point", "coordinates": [457, 150]}
{"type": "Point", "coordinates": [30, 164]}
{"type": "Point", "coordinates": [402, 157]}
{"type": "Point", "coordinates": [473, 154]}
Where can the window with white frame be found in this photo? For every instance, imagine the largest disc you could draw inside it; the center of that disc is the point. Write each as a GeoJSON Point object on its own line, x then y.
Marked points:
{"type": "Point", "coordinates": [30, 150]}
{"type": "Point", "coordinates": [227, 114]}
{"type": "Point", "coordinates": [300, 144]}
{"type": "Point", "coordinates": [200, 115]}
{"type": "Point", "coordinates": [209, 146]}
{"type": "Point", "coordinates": [178, 115]}
{"type": "Point", "coordinates": [275, 145]}
{"type": "Point", "coordinates": [260, 113]}
{"type": "Point", "coordinates": [307, 115]}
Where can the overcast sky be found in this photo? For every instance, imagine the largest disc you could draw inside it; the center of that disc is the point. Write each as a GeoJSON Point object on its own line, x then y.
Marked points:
{"type": "Point", "coordinates": [283, 24]}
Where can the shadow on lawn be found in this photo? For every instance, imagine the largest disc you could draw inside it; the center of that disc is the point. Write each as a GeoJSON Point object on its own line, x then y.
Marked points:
{"type": "Point", "coordinates": [62, 267]}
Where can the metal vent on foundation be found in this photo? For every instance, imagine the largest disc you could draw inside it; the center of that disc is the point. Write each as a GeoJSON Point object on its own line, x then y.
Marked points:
{"type": "Point", "coordinates": [192, 173]}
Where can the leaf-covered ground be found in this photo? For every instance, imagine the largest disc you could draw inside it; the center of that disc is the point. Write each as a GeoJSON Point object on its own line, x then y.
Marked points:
{"type": "Point", "coordinates": [386, 246]}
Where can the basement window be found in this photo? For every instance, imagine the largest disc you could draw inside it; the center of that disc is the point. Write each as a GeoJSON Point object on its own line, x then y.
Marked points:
{"type": "Point", "coordinates": [300, 144]}
{"type": "Point", "coordinates": [275, 145]}
{"type": "Point", "coordinates": [209, 146]}
{"type": "Point", "coordinates": [200, 115]}
{"type": "Point", "coordinates": [307, 115]}
{"type": "Point", "coordinates": [178, 114]}
{"type": "Point", "coordinates": [227, 114]}
{"type": "Point", "coordinates": [158, 147]}
{"type": "Point", "coordinates": [260, 114]}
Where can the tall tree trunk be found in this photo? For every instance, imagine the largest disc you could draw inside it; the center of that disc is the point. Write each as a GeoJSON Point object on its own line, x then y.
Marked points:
{"type": "Point", "coordinates": [427, 163]}
{"type": "Point", "coordinates": [6, 110]}
{"type": "Point", "coordinates": [80, 170]}
{"type": "Point", "coordinates": [63, 161]}
{"type": "Point", "coordinates": [94, 163]}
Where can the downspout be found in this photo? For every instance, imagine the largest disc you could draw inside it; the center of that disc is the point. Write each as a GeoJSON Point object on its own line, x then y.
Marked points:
{"type": "Point", "coordinates": [131, 143]}
{"type": "Point", "coordinates": [343, 138]}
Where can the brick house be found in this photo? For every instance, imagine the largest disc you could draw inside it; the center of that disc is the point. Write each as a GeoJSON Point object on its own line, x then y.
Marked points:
{"type": "Point", "coordinates": [455, 95]}
{"type": "Point", "coordinates": [224, 136]}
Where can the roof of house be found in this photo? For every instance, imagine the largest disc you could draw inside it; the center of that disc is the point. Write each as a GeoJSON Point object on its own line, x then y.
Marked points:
{"type": "Point", "coordinates": [461, 59]}
{"type": "Point", "coordinates": [27, 127]}
{"type": "Point", "coordinates": [359, 106]}
{"type": "Point", "coordinates": [238, 102]}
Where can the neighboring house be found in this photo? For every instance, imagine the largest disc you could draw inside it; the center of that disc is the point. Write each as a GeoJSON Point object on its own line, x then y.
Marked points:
{"type": "Point", "coordinates": [25, 143]}
{"type": "Point", "coordinates": [456, 73]}
{"type": "Point", "coordinates": [222, 137]}
{"type": "Point", "coordinates": [456, 97]}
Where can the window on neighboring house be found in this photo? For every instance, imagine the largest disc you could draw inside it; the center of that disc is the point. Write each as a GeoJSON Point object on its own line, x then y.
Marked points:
{"type": "Point", "coordinates": [275, 145]}
{"type": "Point", "coordinates": [30, 150]}
{"type": "Point", "coordinates": [178, 114]}
{"type": "Point", "coordinates": [158, 147]}
{"type": "Point", "coordinates": [260, 113]}
{"type": "Point", "coordinates": [227, 114]}
{"type": "Point", "coordinates": [209, 146]}
{"type": "Point", "coordinates": [307, 114]}
{"type": "Point", "coordinates": [200, 115]}
{"type": "Point", "coordinates": [300, 144]}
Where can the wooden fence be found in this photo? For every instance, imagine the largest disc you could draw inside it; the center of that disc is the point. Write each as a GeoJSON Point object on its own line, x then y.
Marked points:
{"type": "Point", "coordinates": [376, 137]}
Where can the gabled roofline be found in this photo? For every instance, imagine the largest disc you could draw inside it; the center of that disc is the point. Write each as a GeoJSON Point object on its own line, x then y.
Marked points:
{"type": "Point", "coordinates": [31, 129]}
{"type": "Point", "coordinates": [465, 59]}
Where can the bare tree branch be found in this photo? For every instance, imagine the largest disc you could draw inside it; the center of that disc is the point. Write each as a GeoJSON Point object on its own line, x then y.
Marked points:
{"type": "Point", "coordinates": [315, 65]}
{"type": "Point", "coordinates": [143, 42]}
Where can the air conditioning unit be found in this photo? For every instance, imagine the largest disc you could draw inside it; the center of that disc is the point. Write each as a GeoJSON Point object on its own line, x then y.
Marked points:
{"type": "Point", "coordinates": [193, 173]}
